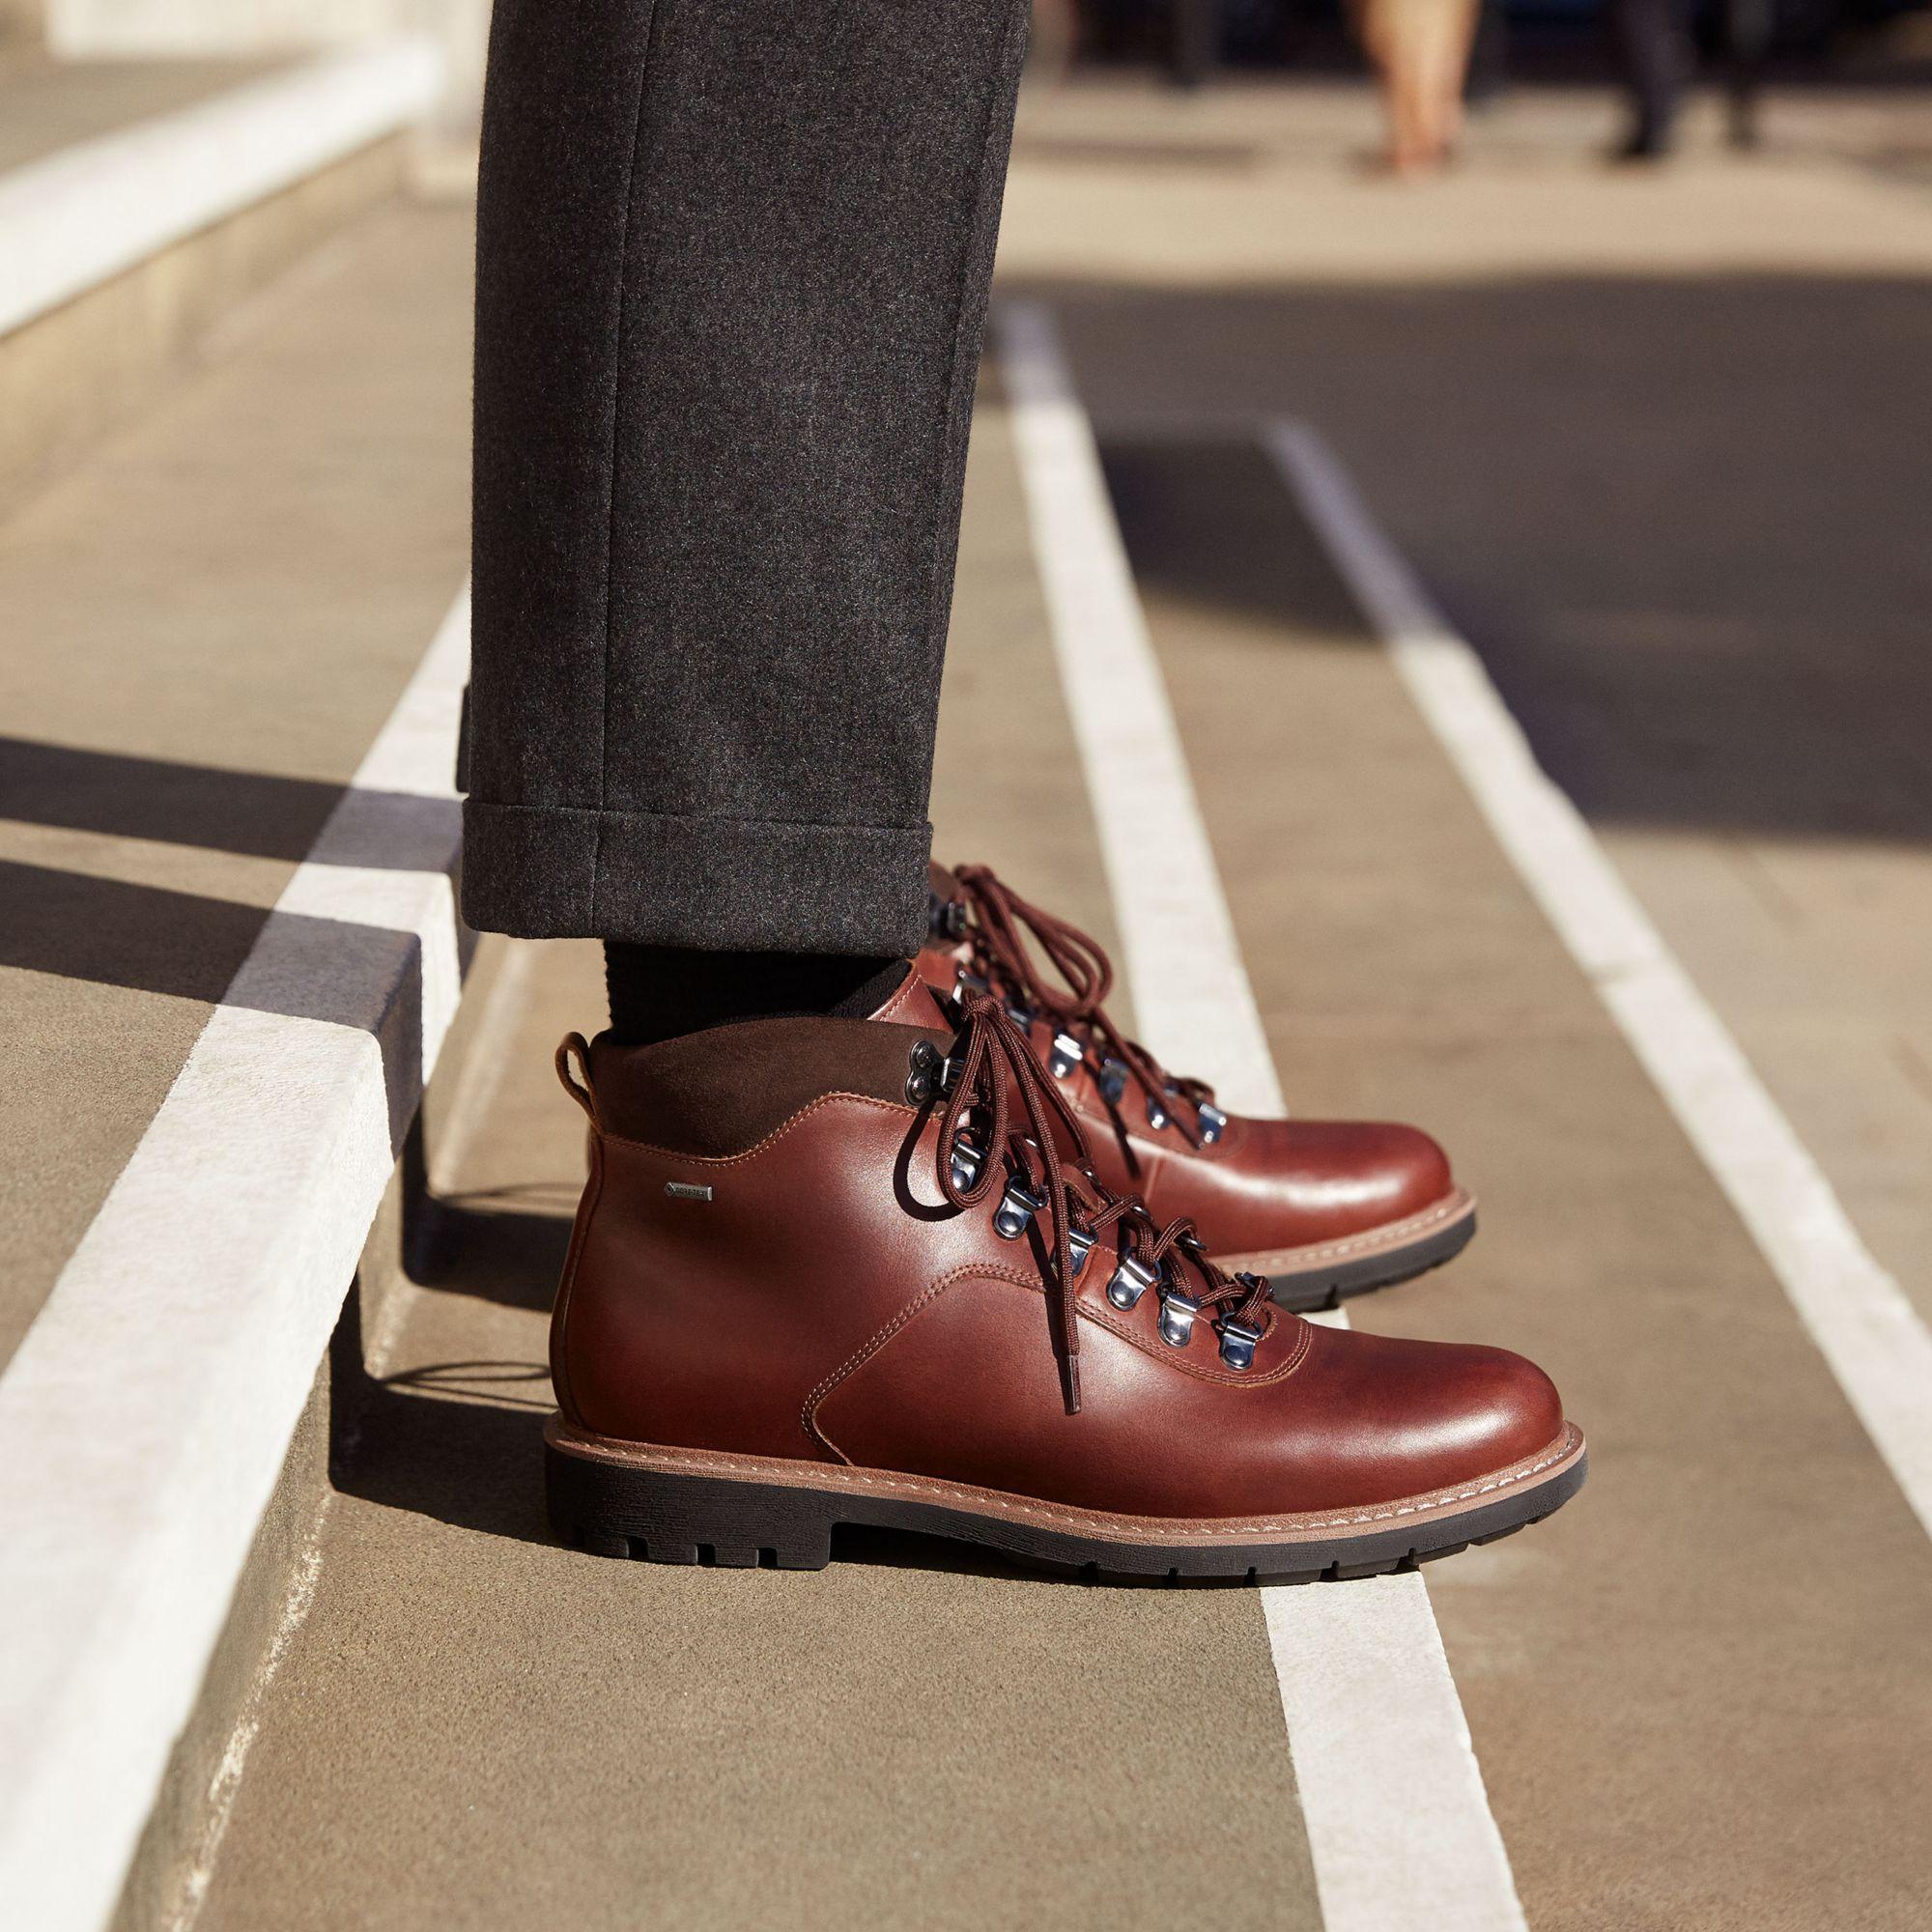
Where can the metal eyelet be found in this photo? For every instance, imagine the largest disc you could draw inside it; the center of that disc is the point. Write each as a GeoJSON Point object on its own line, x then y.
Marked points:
{"type": "Point", "coordinates": [1021, 1014]}
{"type": "Point", "coordinates": [1019, 1205]}
{"type": "Point", "coordinates": [931, 1073]}
{"type": "Point", "coordinates": [1158, 1114]}
{"type": "Point", "coordinates": [1238, 1342]}
{"type": "Point", "coordinates": [968, 1157]}
{"type": "Point", "coordinates": [923, 1079]}
{"type": "Point", "coordinates": [946, 918]}
{"type": "Point", "coordinates": [1113, 1081]}
{"type": "Point", "coordinates": [1214, 1123]}
{"type": "Point", "coordinates": [1063, 1054]}
{"type": "Point", "coordinates": [1131, 1280]}
{"type": "Point", "coordinates": [1177, 1318]}
{"type": "Point", "coordinates": [1079, 1245]}
{"type": "Point", "coordinates": [967, 983]}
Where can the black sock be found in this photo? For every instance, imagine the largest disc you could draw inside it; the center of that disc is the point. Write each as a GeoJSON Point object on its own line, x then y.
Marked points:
{"type": "Point", "coordinates": [658, 992]}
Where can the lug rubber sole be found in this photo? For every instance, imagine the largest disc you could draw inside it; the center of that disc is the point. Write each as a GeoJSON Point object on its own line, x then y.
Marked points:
{"type": "Point", "coordinates": [690, 1506]}
{"type": "Point", "coordinates": [1305, 1280]}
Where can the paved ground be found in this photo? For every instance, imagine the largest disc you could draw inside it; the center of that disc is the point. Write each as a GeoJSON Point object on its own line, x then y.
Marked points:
{"type": "Point", "coordinates": [1658, 446]}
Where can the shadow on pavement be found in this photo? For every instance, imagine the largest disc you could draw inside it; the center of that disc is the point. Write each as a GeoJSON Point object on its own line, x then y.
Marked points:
{"type": "Point", "coordinates": [75, 925]}
{"type": "Point", "coordinates": [256, 814]}
{"type": "Point", "coordinates": [471, 1245]}
{"type": "Point", "coordinates": [1680, 517]}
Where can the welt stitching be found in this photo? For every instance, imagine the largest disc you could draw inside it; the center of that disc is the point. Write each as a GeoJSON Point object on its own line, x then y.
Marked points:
{"type": "Point", "coordinates": [1442, 1210]}
{"type": "Point", "coordinates": [1013, 1506]}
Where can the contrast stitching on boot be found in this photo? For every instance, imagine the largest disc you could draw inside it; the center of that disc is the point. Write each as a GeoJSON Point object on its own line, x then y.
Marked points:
{"type": "Point", "coordinates": [1170, 1358]}
{"type": "Point", "coordinates": [807, 1415]}
{"type": "Point", "coordinates": [898, 1003]}
{"type": "Point", "coordinates": [1100, 1316]}
{"type": "Point", "coordinates": [955, 1493]}
{"type": "Point", "coordinates": [580, 1237]}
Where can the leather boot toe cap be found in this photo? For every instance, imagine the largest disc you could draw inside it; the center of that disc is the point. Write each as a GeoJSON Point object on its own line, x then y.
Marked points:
{"type": "Point", "coordinates": [1344, 1177]}
{"type": "Point", "coordinates": [1391, 1418]}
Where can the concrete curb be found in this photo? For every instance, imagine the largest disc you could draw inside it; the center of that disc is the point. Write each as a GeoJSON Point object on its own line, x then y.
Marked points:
{"type": "Point", "coordinates": [71, 221]}
{"type": "Point", "coordinates": [145, 1418]}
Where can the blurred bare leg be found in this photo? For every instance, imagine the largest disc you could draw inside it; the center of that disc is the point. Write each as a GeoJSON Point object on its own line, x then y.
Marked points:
{"type": "Point", "coordinates": [1420, 49]}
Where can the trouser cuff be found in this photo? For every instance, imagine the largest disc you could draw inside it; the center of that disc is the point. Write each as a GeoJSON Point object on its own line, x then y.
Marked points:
{"type": "Point", "coordinates": [719, 884]}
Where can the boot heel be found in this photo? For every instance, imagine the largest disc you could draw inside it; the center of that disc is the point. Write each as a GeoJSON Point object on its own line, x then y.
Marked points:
{"type": "Point", "coordinates": [662, 1517]}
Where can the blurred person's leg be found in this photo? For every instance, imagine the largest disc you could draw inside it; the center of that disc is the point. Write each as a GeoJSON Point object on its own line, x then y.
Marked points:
{"type": "Point", "coordinates": [1420, 49]}
{"type": "Point", "coordinates": [1444, 31]}
{"type": "Point", "coordinates": [1655, 53]}
{"type": "Point", "coordinates": [733, 263]}
{"type": "Point", "coordinates": [1378, 26]}
{"type": "Point", "coordinates": [1194, 44]}
{"type": "Point", "coordinates": [1054, 39]}
{"type": "Point", "coordinates": [1486, 78]}
{"type": "Point", "coordinates": [1748, 26]}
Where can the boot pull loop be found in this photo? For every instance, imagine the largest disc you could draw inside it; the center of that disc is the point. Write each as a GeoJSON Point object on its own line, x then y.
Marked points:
{"type": "Point", "coordinates": [573, 1054]}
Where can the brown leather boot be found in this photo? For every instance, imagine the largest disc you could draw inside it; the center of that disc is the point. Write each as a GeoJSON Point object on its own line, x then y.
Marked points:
{"type": "Point", "coordinates": [1321, 1209]}
{"type": "Point", "coordinates": [838, 1271]}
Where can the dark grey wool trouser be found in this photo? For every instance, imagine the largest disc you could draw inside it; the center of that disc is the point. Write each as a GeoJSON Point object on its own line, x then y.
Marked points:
{"type": "Point", "coordinates": [734, 259]}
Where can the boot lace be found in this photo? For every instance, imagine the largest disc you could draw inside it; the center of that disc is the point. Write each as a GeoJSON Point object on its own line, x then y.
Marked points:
{"type": "Point", "coordinates": [994, 1059]}
{"type": "Point", "coordinates": [997, 924]}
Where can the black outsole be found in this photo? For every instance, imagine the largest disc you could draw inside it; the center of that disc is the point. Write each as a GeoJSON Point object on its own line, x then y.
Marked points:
{"type": "Point", "coordinates": [1317, 1289]}
{"type": "Point", "coordinates": [615, 1509]}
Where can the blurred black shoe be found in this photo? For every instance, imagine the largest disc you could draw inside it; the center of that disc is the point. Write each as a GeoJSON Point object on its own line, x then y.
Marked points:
{"type": "Point", "coordinates": [1642, 145]}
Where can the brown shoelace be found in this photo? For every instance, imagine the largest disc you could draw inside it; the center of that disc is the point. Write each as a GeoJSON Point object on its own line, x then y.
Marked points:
{"type": "Point", "coordinates": [993, 1050]}
{"type": "Point", "coordinates": [1000, 919]}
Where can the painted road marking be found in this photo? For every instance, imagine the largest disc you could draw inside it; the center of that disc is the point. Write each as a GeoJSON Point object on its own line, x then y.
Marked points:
{"type": "Point", "coordinates": [1862, 1322]}
{"type": "Point", "coordinates": [1399, 1825]}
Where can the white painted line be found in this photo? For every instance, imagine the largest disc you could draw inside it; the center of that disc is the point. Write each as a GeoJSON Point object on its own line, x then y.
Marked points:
{"type": "Point", "coordinates": [145, 1417]}
{"type": "Point", "coordinates": [1398, 1822]}
{"type": "Point", "coordinates": [1868, 1332]}
{"type": "Point", "coordinates": [72, 220]}
{"type": "Point", "coordinates": [1190, 989]}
